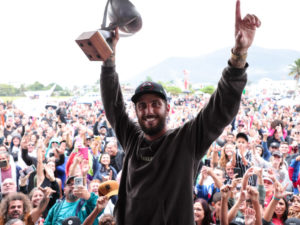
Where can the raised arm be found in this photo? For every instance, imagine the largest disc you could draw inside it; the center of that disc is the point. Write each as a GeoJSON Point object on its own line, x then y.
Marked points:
{"type": "Point", "coordinates": [112, 98]}
{"type": "Point", "coordinates": [244, 35]}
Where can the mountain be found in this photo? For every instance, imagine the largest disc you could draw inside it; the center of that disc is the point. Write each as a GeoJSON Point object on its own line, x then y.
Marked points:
{"type": "Point", "coordinates": [264, 63]}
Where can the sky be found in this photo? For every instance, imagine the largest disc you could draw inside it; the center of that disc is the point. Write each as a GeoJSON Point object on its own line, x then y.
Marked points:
{"type": "Point", "coordinates": [38, 36]}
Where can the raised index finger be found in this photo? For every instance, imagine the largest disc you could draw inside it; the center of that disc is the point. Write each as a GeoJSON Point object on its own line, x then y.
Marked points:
{"type": "Point", "coordinates": [238, 11]}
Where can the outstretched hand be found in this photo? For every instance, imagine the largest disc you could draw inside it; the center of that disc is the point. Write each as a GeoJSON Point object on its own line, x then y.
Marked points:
{"type": "Point", "coordinates": [244, 30]}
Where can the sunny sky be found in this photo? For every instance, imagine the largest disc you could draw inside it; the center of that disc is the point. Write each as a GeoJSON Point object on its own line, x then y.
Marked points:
{"type": "Point", "coordinates": [38, 36]}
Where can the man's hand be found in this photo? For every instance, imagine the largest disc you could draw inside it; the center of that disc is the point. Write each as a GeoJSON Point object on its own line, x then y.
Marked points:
{"type": "Point", "coordinates": [49, 173]}
{"type": "Point", "coordinates": [101, 203]}
{"type": "Point", "coordinates": [81, 192]}
{"type": "Point", "coordinates": [115, 38]}
{"type": "Point", "coordinates": [250, 216]}
{"type": "Point", "coordinates": [48, 191]}
{"type": "Point", "coordinates": [252, 193]}
{"type": "Point", "coordinates": [23, 180]}
{"type": "Point", "coordinates": [244, 30]}
{"type": "Point", "coordinates": [226, 191]}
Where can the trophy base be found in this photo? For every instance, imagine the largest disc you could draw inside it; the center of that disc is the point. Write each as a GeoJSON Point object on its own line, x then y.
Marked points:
{"type": "Point", "coordinates": [94, 45]}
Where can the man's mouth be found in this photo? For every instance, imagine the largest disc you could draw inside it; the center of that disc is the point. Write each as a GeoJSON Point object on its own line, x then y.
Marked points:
{"type": "Point", "coordinates": [15, 215]}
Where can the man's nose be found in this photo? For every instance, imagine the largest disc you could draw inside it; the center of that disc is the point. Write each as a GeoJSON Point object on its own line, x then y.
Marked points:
{"type": "Point", "coordinates": [149, 109]}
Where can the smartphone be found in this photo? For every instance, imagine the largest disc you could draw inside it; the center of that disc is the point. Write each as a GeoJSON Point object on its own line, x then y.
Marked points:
{"type": "Point", "coordinates": [3, 163]}
{"type": "Point", "coordinates": [84, 152]}
{"type": "Point", "coordinates": [28, 170]}
{"type": "Point", "coordinates": [238, 172]}
{"type": "Point", "coordinates": [207, 162]}
{"type": "Point", "coordinates": [97, 138]}
{"type": "Point", "coordinates": [78, 181]}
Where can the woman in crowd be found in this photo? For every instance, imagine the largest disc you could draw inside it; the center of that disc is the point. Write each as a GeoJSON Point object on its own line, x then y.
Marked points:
{"type": "Point", "coordinates": [202, 212]}
{"type": "Point", "coordinates": [104, 171]}
{"type": "Point", "coordinates": [227, 154]}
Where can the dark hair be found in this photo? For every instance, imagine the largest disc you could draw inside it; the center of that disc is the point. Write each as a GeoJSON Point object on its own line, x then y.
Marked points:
{"type": "Point", "coordinates": [207, 212]}
{"type": "Point", "coordinates": [107, 219]}
{"type": "Point", "coordinates": [286, 211]}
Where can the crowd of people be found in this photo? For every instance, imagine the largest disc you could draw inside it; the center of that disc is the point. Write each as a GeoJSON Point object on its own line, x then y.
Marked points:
{"type": "Point", "coordinates": [250, 173]}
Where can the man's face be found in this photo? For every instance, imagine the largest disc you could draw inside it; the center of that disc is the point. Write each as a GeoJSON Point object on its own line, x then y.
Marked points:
{"type": "Point", "coordinates": [273, 149]}
{"type": "Point", "coordinates": [68, 190]}
{"type": "Point", "coordinates": [111, 148]}
{"type": "Point", "coordinates": [241, 143]}
{"type": "Point", "coordinates": [219, 174]}
{"type": "Point", "coordinates": [284, 148]}
{"type": "Point", "coordinates": [230, 138]}
{"type": "Point", "coordinates": [152, 112]}
{"type": "Point", "coordinates": [217, 206]}
{"type": "Point", "coordinates": [230, 171]}
{"type": "Point", "coordinates": [15, 210]}
{"type": "Point", "coordinates": [8, 186]}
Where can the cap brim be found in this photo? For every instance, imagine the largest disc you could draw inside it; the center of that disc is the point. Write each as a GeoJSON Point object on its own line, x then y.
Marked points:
{"type": "Point", "coordinates": [112, 193]}
{"type": "Point", "coordinates": [135, 97]}
{"type": "Point", "coordinates": [69, 179]}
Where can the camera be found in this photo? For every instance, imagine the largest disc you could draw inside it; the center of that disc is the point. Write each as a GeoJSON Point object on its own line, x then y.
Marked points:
{"type": "Point", "coordinates": [3, 163]}
{"type": "Point", "coordinates": [28, 170]}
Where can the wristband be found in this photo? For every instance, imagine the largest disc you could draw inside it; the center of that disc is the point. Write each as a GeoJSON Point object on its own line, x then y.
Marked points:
{"type": "Point", "coordinates": [276, 198]}
{"type": "Point", "coordinates": [237, 57]}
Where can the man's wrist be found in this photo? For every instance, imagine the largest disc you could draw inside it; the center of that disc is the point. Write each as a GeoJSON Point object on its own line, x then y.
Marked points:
{"type": "Point", "coordinates": [238, 57]}
{"type": "Point", "coordinates": [110, 62]}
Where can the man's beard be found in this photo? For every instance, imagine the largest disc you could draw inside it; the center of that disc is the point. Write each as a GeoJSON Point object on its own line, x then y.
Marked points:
{"type": "Point", "coordinates": [21, 217]}
{"type": "Point", "coordinates": [71, 197]}
{"type": "Point", "coordinates": [153, 130]}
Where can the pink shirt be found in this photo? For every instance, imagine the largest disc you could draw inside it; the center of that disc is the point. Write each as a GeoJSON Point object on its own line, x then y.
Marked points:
{"type": "Point", "coordinates": [6, 174]}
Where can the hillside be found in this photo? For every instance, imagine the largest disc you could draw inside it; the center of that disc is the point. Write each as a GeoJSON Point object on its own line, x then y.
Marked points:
{"type": "Point", "coordinates": [270, 63]}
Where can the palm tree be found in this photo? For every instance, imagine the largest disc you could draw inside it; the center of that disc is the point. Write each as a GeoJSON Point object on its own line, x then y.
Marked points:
{"type": "Point", "coordinates": [295, 71]}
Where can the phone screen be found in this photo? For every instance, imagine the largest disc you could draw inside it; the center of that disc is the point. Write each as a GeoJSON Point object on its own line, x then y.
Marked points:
{"type": "Point", "coordinates": [84, 152]}
{"type": "Point", "coordinates": [207, 162]}
{"type": "Point", "coordinates": [238, 172]}
{"type": "Point", "coordinates": [78, 181]}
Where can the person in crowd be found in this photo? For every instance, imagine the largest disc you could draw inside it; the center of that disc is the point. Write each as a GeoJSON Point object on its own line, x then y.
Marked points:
{"type": "Point", "coordinates": [207, 191]}
{"type": "Point", "coordinates": [8, 169]}
{"type": "Point", "coordinates": [277, 211]}
{"type": "Point", "coordinates": [15, 222]}
{"type": "Point", "coordinates": [76, 199]}
{"type": "Point", "coordinates": [294, 170]}
{"type": "Point", "coordinates": [7, 186]}
{"type": "Point", "coordinates": [104, 170]}
{"type": "Point", "coordinates": [216, 204]}
{"type": "Point", "coordinates": [227, 155]}
{"type": "Point", "coordinates": [17, 206]}
{"type": "Point", "coordinates": [116, 156]}
{"type": "Point", "coordinates": [294, 207]}
{"type": "Point", "coordinates": [153, 152]}
{"type": "Point", "coordinates": [94, 186]}
{"type": "Point", "coordinates": [202, 212]}
{"type": "Point", "coordinates": [243, 159]}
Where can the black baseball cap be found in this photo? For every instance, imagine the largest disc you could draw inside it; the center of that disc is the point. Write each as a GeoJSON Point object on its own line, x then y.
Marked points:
{"type": "Point", "coordinates": [274, 145]}
{"type": "Point", "coordinates": [149, 87]}
{"type": "Point", "coordinates": [69, 179]}
{"type": "Point", "coordinates": [72, 220]}
{"type": "Point", "coordinates": [242, 135]}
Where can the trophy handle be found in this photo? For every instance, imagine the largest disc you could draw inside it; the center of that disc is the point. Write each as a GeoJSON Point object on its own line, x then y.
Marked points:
{"type": "Point", "coordinates": [95, 44]}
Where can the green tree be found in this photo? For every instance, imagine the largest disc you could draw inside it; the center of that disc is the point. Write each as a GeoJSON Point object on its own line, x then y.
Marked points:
{"type": "Point", "coordinates": [36, 86]}
{"type": "Point", "coordinates": [295, 71]}
{"type": "Point", "coordinates": [173, 90]}
{"type": "Point", "coordinates": [8, 90]}
{"type": "Point", "coordinates": [208, 89]}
